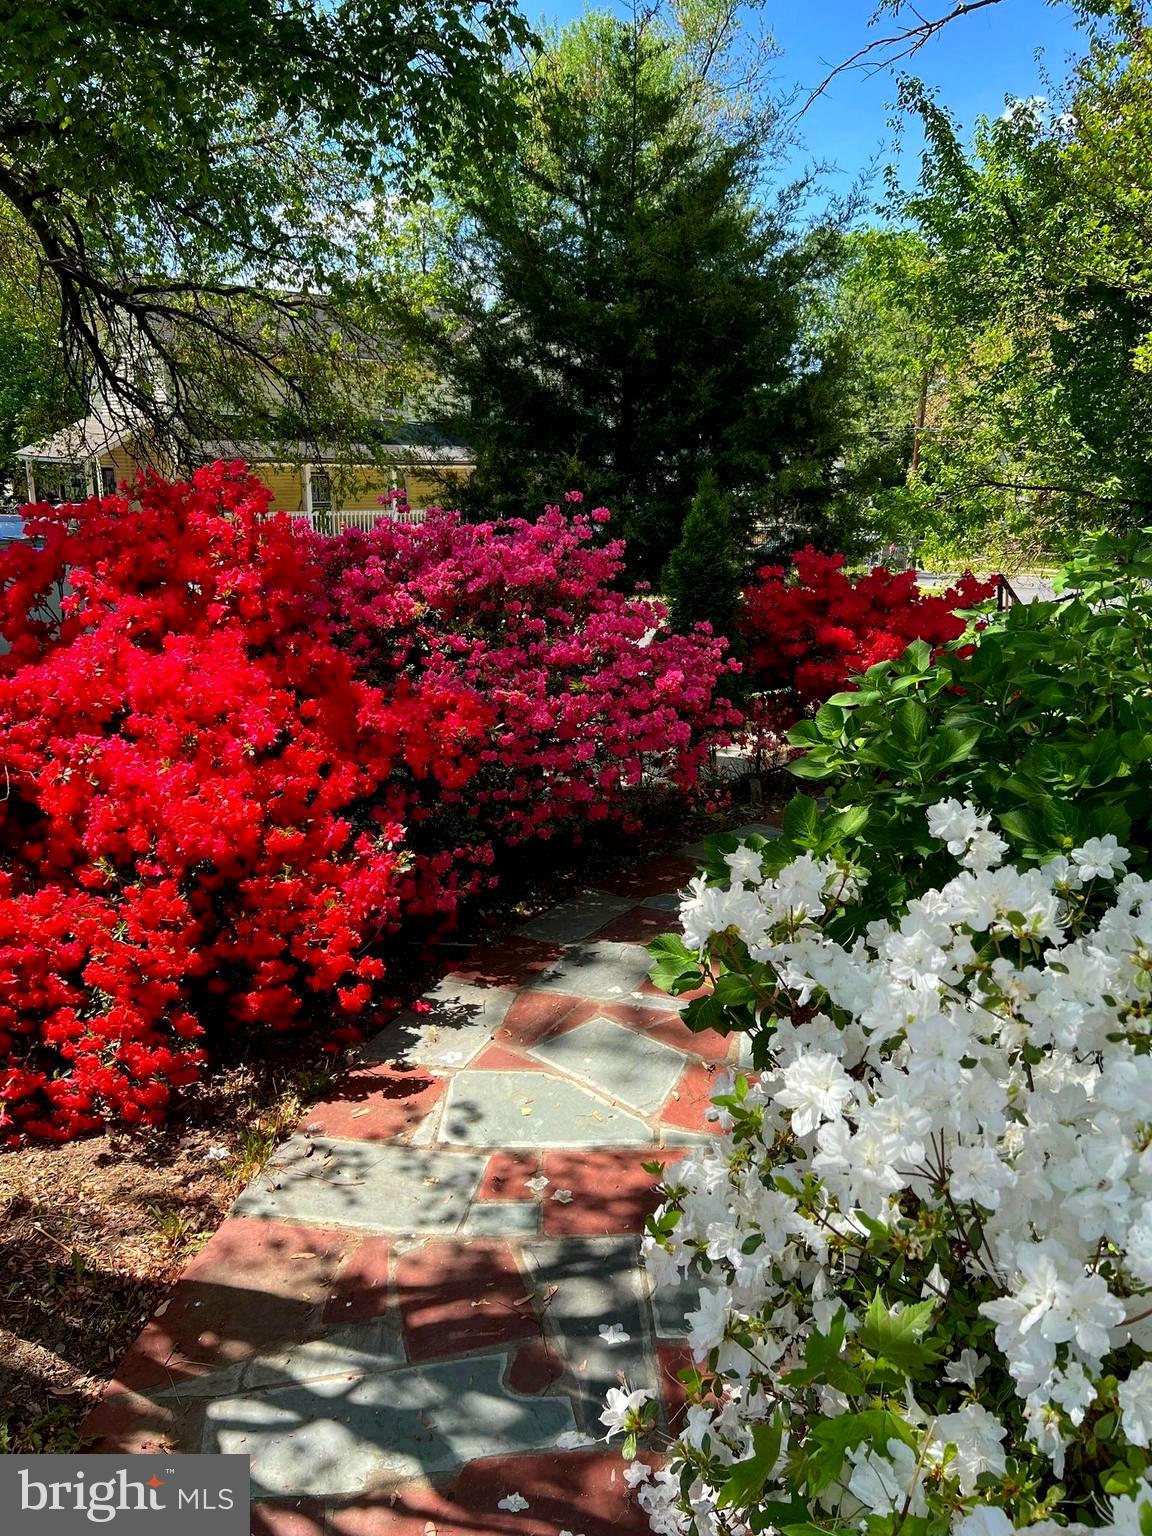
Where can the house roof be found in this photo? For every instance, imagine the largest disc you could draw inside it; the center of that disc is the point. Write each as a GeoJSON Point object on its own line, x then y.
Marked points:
{"type": "Point", "coordinates": [354, 454]}
{"type": "Point", "coordinates": [414, 443]}
{"type": "Point", "coordinates": [82, 440]}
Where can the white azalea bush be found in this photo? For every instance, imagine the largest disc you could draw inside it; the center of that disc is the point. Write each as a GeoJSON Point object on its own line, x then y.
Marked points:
{"type": "Point", "coordinates": [923, 1245]}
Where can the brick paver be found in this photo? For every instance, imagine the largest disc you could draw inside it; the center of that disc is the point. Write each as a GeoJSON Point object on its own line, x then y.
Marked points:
{"type": "Point", "coordinates": [400, 1321]}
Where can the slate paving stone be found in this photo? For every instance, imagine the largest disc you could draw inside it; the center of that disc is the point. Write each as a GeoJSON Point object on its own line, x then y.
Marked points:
{"type": "Point", "coordinates": [299, 1517]}
{"type": "Point", "coordinates": [502, 1219]}
{"type": "Point", "coordinates": [620, 1062]}
{"type": "Point", "coordinates": [758, 829]}
{"type": "Point", "coordinates": [639, 925]}
{"type": "Point", "coordinates": [360, 1291]}
{"type": "Point", "coordinates": [611, 1192]}
{"type": "Point", "coordinates": [580, 1491]}
{"type": "Point", "coordinates": [691, 1106]}
{"type": "Point", "coordinates": [506, 1176]}
{"type": "Point", "coordinates": [422, 1421]}
{"type": "Point", "coordinates": [597, 1281]}
{"type": "Point", "coordinates": [672, 1359]}
{"type": "Point", "coordinates": [460, 1020]}
{"type": "Point", "coordinates": [669, 1028]}
{"type": "Point", "coordinates": [512, 962]}
{"type": "Point", "coordinates": [533, 1109]}
{"type": "Point", "coordinates": [383, 1188]}
{"type": "Point", "coordinates": [576, 919]}
{"type": "Point", "coordinates": [323, 1365]}
{"type": "Point", "coordinates": [376, 1103]}
{"type": "Point", "coordinates": [459, 1297]}
{"type": "Point", "coordinates": [597, 969]}
{"type": "Point", "coordinates": [656, 877]}
{"type": "Point", "coordinates": [253, 1284]}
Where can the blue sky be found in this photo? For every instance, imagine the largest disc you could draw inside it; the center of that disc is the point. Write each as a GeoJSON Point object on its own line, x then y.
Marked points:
{"type": "Point", "coordinates": [974, 63]}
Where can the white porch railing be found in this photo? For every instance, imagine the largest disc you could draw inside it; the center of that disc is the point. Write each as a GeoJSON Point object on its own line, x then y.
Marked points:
{"type": "Point", "coordinates": [358, 517]}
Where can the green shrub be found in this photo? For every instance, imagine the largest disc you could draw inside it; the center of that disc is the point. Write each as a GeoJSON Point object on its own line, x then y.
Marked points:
{"type": "Point", "coordinates": [1044, 719]}
{"type": "Point", "coordinates": [701, 580]}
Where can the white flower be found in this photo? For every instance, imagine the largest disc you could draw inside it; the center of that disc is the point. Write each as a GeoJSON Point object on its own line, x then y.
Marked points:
{"type": "Point", "coordinates": [514, 1503]}
{"type": "Point", "coordinates": [562, 1196]}
{"type": "Point", "coordinates": [744, 864]}
{"type": "Point", "coordinates": [622, 1406]}
{"type": "Point", "coordinates": [967, 1367]}
{"type": "Point", "coordinates": [613, 1333]}
{"type": "Point", "coordinates": [706, 1325]}
{"type": "Point", "coordinates": [984, 851]}
{"type": "Point", "coordinates": [984, 1520]}
{"type": "Point", "coordinates": [928, 1067]}
{"type": "Point", "coordinates": [816, 1087]}
{"type": "Point", "coordinates": [1074, 1391]}
{"type": "Point", "coordinates": [887, 1483]}
{"type": "Point", "coordinates": [1100, 858]}
{"type": "Point", "coordinates": [1135, 1397]}
{"type": "Point", "coordinates": [536, 1185]}
{"type": "Point", "coordinates": [635, 1474]}
{"type": "Point", "coordinates": [976, 1434]}
{"type": "Point", "coordinates": [979, 1174]}
{"type": "Point", "coordinates": [954, 823]}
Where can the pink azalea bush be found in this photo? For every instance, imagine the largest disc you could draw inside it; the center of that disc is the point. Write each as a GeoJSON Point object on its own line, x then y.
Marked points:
{"type": "Point", "coordinates": [591, 690]}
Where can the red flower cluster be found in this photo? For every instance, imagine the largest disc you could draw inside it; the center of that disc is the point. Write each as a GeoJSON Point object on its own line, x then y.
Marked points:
{"type": "Point", "coordinates": [811, 628]}
{"type": "Point", "coordinates": [202, 824]}
{"type": "Point", "coordinates": [589, 688]}
{"type": "Point", "coordinates": [236, 755]}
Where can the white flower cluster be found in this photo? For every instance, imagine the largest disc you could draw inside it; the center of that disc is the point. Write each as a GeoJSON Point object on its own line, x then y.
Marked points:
{"type": "Point", "coordinates": [955, 1128]}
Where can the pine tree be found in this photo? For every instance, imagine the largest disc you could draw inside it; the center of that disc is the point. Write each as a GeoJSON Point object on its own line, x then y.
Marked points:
{"type": "Point", "coordinates": [628, 312]}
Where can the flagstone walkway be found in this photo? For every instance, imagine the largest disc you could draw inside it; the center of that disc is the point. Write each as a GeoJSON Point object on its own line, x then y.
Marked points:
{"type": "Point", "coordinates": [400, 1320]}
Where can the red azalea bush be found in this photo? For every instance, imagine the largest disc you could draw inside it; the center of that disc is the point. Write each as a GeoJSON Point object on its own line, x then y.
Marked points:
{"type": "Point", "coordinates": [201, 829]}
{"type": "Point", "coordinates": [811, 628]}
{"type": "Point", "coordinates": [589, 688]}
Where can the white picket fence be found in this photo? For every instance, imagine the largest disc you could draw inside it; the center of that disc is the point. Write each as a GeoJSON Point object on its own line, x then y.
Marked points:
{"type": "Point", "coordinates": [359, 517]}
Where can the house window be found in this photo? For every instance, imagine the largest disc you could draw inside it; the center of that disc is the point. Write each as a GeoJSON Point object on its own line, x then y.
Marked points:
{"type": "Point", "coordinates": [321, 490]}
{"type": "Point", "coordinates": [107, 481]}
{"type": "Point", "coordinates": [57, 482]}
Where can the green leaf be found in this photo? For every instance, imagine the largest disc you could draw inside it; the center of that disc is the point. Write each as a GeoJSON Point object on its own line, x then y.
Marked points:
{"type": "Point", "coordinates": [675, 967]}
{"type": "Point", "coordinates": [832, 1439]}
{"type": "Point", "coordinates": [746, 1478]}
{"type": "Point", "coordinates": [814, 765]}
{"type": "Point", "coordinates": [951, 746]}
{"type": "Point", "coordinates": [910, 723]}
{"type": "Point", "coordinates": [896, 1337]}
{"type": "Point", "coordinates": [802, 820]}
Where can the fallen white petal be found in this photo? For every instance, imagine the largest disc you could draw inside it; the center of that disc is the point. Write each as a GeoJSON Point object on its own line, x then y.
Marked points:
{"type": "Point", "coordinates": [574, 1440]}
{"type": "Point", "coordinates": [564, 1196]}
{"type": "Point", "coordinates": [514, 1503]}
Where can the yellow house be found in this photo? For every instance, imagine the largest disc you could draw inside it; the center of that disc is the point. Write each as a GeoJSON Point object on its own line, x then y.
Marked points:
{"type": "Point", "coordinates": [91, 458]}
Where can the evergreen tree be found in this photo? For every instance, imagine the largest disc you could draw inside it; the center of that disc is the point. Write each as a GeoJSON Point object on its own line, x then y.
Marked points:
{"type": "Point", "coordinates": [627, 311]}
{"type": "Point", "coordinates": [701, 580]}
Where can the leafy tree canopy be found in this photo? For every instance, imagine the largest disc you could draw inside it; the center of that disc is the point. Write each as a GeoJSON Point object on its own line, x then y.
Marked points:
{"type": "Point", "coordinates": [1013, 312]}
{"type": "Point", "coordinates": [190, 177]}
